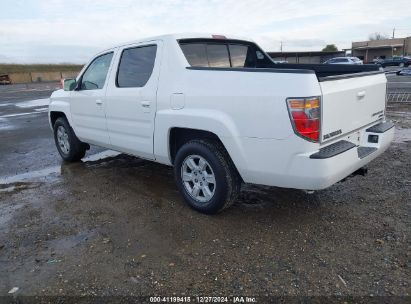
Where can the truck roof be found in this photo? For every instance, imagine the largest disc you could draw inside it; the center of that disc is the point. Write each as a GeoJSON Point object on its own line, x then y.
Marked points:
{"type": "Point", "coordinates": [177, 36]}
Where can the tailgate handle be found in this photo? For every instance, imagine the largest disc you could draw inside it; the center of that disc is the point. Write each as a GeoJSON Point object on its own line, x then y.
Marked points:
{"type": "Point", "coordinates": [361, 94]}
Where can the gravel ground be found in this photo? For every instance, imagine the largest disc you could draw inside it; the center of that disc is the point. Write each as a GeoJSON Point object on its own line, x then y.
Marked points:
{"type": "Point", "coordinates": [114, 225]}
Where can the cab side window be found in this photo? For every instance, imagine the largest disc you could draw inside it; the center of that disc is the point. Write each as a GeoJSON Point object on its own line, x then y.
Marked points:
{"type": "Point", "coordinates": [223, 54]}
{"type": "Point", "coordinates": [95, 75]}
{"type": "Point", "coordinates": [241, 56]}
{"type": "Point", "coordinates": [136, 66]}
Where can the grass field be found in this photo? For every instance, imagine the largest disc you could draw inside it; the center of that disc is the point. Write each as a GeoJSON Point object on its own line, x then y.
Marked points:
{"type": "Point", "coordinates": [26, 68]}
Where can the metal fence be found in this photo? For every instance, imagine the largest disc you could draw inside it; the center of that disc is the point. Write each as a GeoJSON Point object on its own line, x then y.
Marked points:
{"type": "Point", "coordinates": [399, 96]}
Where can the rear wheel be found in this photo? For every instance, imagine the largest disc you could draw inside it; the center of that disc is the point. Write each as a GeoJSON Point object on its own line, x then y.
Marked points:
{"type": "Point", "coordinates": [206, 176]}
{"type": "Point", "coordinates": [70, 148]}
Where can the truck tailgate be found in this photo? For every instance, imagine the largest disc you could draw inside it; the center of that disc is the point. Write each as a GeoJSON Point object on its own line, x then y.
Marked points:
{"type": "Point", "coordinates": [350, 103]}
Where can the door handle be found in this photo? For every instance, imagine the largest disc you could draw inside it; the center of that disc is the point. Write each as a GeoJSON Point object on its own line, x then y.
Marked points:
{"type": "Point", "coordinates": [146, 104]}
{"type": "Point", "coordinates": [99, 102]}
{"type": "Point", "coordinates": [361, 94]}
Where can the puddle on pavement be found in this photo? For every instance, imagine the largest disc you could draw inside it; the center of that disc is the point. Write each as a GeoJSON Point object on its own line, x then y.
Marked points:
{"type": "Point", "coordinates": [53, 172]}
{"type": "Point", "coordinates": [38, 174]}
{"type": "Point", "coordinates": [402, 135]}
{"type": "Point", "coordinates": [4, 125]}
{"type": "Point", "coordinates": [36, 106]}
{"type": "Point", "coordinates": [22, 114]}
{"type": "Point", "coordinates": [101, 155]}
{"type": "Point", "coordinates": [17, 186]}
{"type": "Point", "coordinates": [41, 110]}
{"type": "Point", "coordinates": [33, 103]}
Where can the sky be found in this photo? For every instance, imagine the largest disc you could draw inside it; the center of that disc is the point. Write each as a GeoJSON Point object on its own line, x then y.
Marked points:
{"type": "Point", "coordinates": [71, 31]}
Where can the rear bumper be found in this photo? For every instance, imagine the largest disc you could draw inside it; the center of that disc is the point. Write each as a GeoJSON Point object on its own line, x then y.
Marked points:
{"type": "Point", "coordinates": [321, 168]}
{"type": "Point", "coordinates": [325, 172]}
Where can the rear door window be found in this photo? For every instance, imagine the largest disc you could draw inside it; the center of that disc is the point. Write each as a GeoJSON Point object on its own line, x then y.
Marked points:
{"type": "Point", "coordinates": [136, 66]}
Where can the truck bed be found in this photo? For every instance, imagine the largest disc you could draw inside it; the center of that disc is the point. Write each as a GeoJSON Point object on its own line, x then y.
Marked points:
{"type": "Point", "coordinates": [327, 70]}
{"type": "Point", "coordinates": [322, 71]}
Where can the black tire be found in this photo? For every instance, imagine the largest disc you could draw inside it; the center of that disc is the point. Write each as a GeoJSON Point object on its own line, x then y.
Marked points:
{"type": "Point", "coordinates": [227, 180]}
{"type": "Point", "coordinates": [76, 149]}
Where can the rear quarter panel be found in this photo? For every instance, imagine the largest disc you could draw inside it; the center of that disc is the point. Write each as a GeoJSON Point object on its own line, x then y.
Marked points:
{"type": "Point", "coordinates": [234, 105]}
{"type": "Point", "coordinates": [252, 104]}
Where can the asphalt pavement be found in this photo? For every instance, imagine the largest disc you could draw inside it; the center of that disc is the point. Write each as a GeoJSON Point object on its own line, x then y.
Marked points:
{"type": "Point", "coordinates": [115, 225]}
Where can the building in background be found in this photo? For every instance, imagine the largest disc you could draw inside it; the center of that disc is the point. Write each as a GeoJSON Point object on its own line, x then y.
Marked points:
{"type": "Point", "coordinates": [373, 49]}
{"type": "Point", "coordinates": [305, 57]}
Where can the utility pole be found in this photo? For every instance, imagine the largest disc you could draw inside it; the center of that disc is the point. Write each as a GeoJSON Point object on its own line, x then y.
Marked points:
{"type": "Point", "coordinates": [281, 46]}
{"type": "Point", "coordinates": [393, 33]}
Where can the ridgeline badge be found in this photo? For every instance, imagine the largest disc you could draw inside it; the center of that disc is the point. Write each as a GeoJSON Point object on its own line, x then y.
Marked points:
{"type": "Point", "coordinates": [332, 134]}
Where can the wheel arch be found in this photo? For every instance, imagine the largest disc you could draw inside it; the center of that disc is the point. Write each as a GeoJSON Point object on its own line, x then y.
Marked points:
{"type": "Point", "coordinates": [178, 136]}
{"type": "Point", "coordinates": [59, 107]}
{"type": "Point", "coordinates": [54, 115]}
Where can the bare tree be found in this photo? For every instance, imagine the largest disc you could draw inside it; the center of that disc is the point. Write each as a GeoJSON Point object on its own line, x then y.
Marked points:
{"type": "Point", "coordinates": [377, 36]}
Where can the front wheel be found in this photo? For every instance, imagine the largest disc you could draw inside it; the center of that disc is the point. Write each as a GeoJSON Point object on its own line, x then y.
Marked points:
{"type": "Point", "coordinates": [206, 176]}
{"type": "Point", "coordinates": [70, 148]}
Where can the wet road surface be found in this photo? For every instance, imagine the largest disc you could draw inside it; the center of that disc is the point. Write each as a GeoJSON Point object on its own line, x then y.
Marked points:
{"type": "Point", "coordinates": [26, 143]}
{"type": "Point", "coordinates": [115, 225]}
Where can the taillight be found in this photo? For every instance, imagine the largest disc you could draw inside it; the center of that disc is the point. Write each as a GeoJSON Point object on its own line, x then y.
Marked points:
{"type": "Point", "coordinates": [305, 115]}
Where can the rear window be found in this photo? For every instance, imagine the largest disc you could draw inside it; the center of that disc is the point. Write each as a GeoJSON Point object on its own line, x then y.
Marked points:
{"type": "Point", "coordinates": [217, 55]}
{"type": "Point", "coordinates": [206, 55]}
{"type": "Point", "coordinates": [196, 54]}
{"type": "Point", "coordinates": [222, 54]}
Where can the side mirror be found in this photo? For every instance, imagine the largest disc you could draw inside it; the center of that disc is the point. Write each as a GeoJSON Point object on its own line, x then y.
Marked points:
{"type": "Point", "coordinates": [69, 84]}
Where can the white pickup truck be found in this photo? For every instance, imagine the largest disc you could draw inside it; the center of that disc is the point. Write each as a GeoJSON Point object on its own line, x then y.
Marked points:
{"type": "Point", "coordinates": [223, 113]}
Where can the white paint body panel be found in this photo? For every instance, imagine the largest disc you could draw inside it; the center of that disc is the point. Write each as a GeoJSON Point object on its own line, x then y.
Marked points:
{"type": "Point", "coordinates": [130, 112]}
{"type": "Point", "coordinates": [246, 110]}
{"type": "Point", "coordinates": [351, 103]}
